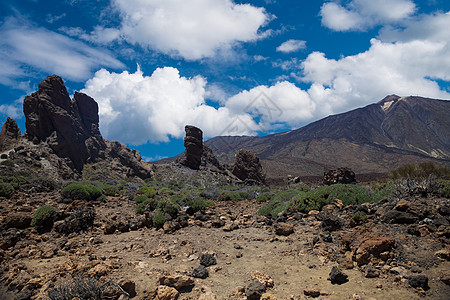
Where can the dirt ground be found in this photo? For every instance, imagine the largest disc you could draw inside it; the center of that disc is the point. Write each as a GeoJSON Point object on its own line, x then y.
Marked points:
{"type": "Point", "coordinates": [297, 262]}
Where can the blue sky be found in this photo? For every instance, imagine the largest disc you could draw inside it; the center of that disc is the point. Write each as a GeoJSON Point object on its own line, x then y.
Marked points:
{"type": "Point", "coordinates": [228, 67]}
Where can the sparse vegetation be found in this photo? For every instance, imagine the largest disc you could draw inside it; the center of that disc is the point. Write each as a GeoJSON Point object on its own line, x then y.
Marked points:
{"type": "Point", "coordinates": [43, 217]}
{"type": "Point", "coordinates": [421, 171]}
{"type": "Point", "coordinates": [359, 217]}
{"type": "Point", "coordinates": [159, 219]}
{"type": "Point", "coordinates": [83, 288]}
{"type": "Point", "coordinates": [6, 190]}
{"type": "Point", "coordinates": [84, 190]}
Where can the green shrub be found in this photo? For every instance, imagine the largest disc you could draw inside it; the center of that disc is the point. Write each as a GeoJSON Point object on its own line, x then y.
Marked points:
{"type": "Point", "coordinates": [84, 190]}
{"type": "Point", "coordinates": [168, 206]}
{"type": "Point", "coordinates": [140, 199]}
{"type": "Point", "coordinates": [146, 206]}
{"type": "Point", "coordinates": [110, 190]}
{"type": "Point", "coordinates": [278, 203]}
{"type": "Point", "coordinates": [147, 191]}
{"type": "Point", "coordinates": [263, 197]}
{"type": "Point", "coordinates": [421, 171]}
{"type": "Point", "coordinates": [233, 195]}
{"type": "Point", "coordinates": [46, 183]}
{"type": "Point", "coordinates": [318, 198]}
{"type": "Point", "coordinates": [165, 191]}
{"type": "Point", "coordinates": [445, 188]}
{"type": "Point", "coordinates": [303, 188]}
{"type": "Point", "coordinates": [199, 204]}
{"type": "Point", "coordinates": [159, 219]}
{"type": "Point", "coordinates": [359, 217]}
{"type": "Point", "coordinates": [6, 190]}
{"type": "Point", "coordinates": [43, 217]}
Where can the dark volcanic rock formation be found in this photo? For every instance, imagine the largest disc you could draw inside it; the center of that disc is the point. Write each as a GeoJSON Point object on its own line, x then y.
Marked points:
{"type": "Point", "coordinates": [71, 129]}
{"type": "Point", "coordinates": [9, 135]}
{"type": "Point", "coordinates": [340, 175]}
{"type": "Point", "coordinates": [52, 117]}
{"type": "Point", "coordinates": [193, 142]}
{"type": "Point", "coordinates": [247, 167]}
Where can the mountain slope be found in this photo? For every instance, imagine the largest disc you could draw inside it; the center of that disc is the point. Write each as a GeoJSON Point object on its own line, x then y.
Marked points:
{"type": "Point", "coordinates": [375, 138]}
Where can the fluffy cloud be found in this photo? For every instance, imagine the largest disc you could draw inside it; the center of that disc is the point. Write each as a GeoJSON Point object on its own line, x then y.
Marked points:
{"type": "Point", "coordinates": [291, 46]}
{"type": "Point", "coordinates": [363, 14]}
{"type": "Point", "coordinates": [190, 29]}
{"type": "Point", "coordinates": [22, 46]}
{"type": "Point", "coordinates": [136, 109]}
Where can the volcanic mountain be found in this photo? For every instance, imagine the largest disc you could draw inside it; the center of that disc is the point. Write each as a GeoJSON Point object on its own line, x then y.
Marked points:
{"type": "Point", "coordinates": [373, 139]}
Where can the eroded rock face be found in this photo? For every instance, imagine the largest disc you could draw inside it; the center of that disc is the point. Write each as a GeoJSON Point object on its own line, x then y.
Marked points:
{"type": "Point", "coordinates": [247, 167]}
{"type": "Point", "coordinates": [9, 134]}
{"type": "Point", "coordinates": [71, 129]}
{"type": "Point", "coordinates": [193, 143]}
{"type": "Point", "coordinates": [340, 175]}
{"type": "Point", "coordinates": [65, 125]}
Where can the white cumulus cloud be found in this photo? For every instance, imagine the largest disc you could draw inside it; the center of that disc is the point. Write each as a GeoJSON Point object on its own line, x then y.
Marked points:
{"type": "Point", "coordinates": [364, 14]}
{"type": "Point", "coordinates": [291, 46]}
{"type": "Point", "coordinates": [137, 109]}
{"type": "Point", "coordinates": [192, 29]}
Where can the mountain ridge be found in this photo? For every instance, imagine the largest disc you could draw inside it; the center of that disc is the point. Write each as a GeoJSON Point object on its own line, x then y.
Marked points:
{"type": "Point", "coordinates": [370, 139]}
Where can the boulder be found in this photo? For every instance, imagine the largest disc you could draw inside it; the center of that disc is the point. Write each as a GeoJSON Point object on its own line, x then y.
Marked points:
{"type": "Point", "coordinates": [176, 281]}
{"type": "Point", "coordinates": [207, 260]}
{"type": "Point", "coordinates": [193, 143]}
{"type": "Point", "coordinates": [283, 228]}
{"type": "Point", "coordinates": [200, 272]}
{"type": "Point", "coordinates": [337, 276]}
{"type": "Point", "coordinates": [255, 290]}
{"type": "Point", "coordinates": [163, 293]}
{"type": "Point", "coordinates": [340, 175]}
{"type": "Point", "coordinates": [248, 168]}
{"type": "Point", "coordinates": [9, 134]}
{"type": "Point", "coordinates": [418, 281]}
{"type": "Point", "coordinates": [372, 247]}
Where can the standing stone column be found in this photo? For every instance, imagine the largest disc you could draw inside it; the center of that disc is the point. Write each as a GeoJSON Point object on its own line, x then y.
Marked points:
{"type": "Point", "coordinates": [193, 143]}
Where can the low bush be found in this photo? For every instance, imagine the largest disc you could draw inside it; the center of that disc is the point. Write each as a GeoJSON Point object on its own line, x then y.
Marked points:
{"type": "Point", "coordinates": [159, 219]}
{"type": "Point", "coordinates": [110, 190]}
{"type": "Point", "coordinates": [6, 190]}
{"type": "Point", "coordinates": [146, 206]}
{"type": "Point", "coordinates": [168, 206]}
{"type": "Point", "coordinates": [43, 217]}
{"type": "Point", "coordinates": [359, 217]}
{"type": "Point", "coordinates": [233, 195]}
{"type": "Point", "coordinates": [84, 288]}
{"type": "Point", "coordinates": [147, 191]}
{"type": "Point", "coordinates": [318, 198]}
{"type": "Point", "coordinates": [84, 190]}
{"type": "Point", "coordinates": [263, 197]}
{"type": "Point", "coordinates": [278, 203]}
{"type": "Point", "coordinates": [140, 199]}
{"type": "Point", "coordinates": [444, 188]}
{"type": "Point", "coordinates": [421, 171]}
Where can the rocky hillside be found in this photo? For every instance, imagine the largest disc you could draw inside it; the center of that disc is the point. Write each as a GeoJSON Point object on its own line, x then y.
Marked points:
{"type": "Point", "coordinates": [63, 137]}
{"type": "Point", "coordinates": [372, 139]}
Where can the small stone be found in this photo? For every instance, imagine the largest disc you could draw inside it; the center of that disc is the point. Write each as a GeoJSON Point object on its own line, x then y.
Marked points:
{"type": "Point", "coordinates": [176, 281]}
{"type": "Point", "coordinates": [200, 272]}
{"type": "Point", "coordinates": [337, 276]}
{"type": "Point", "coordinates": [418, 281]}
{"type": "Point", "coordinates": [255, 290]}
{"type": "Point", "coordinates": [283, 229]}
{"type": "Point", "coordinates": [371, 272]}
{"type": "Point", "coordinates": [312, 293]}
{"type": "Point", "coordinates": [207, 260]}
{"type": "Point", "coordinates": [263, 278]}
{"type": "Point", "coordinates": [163, 292]}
